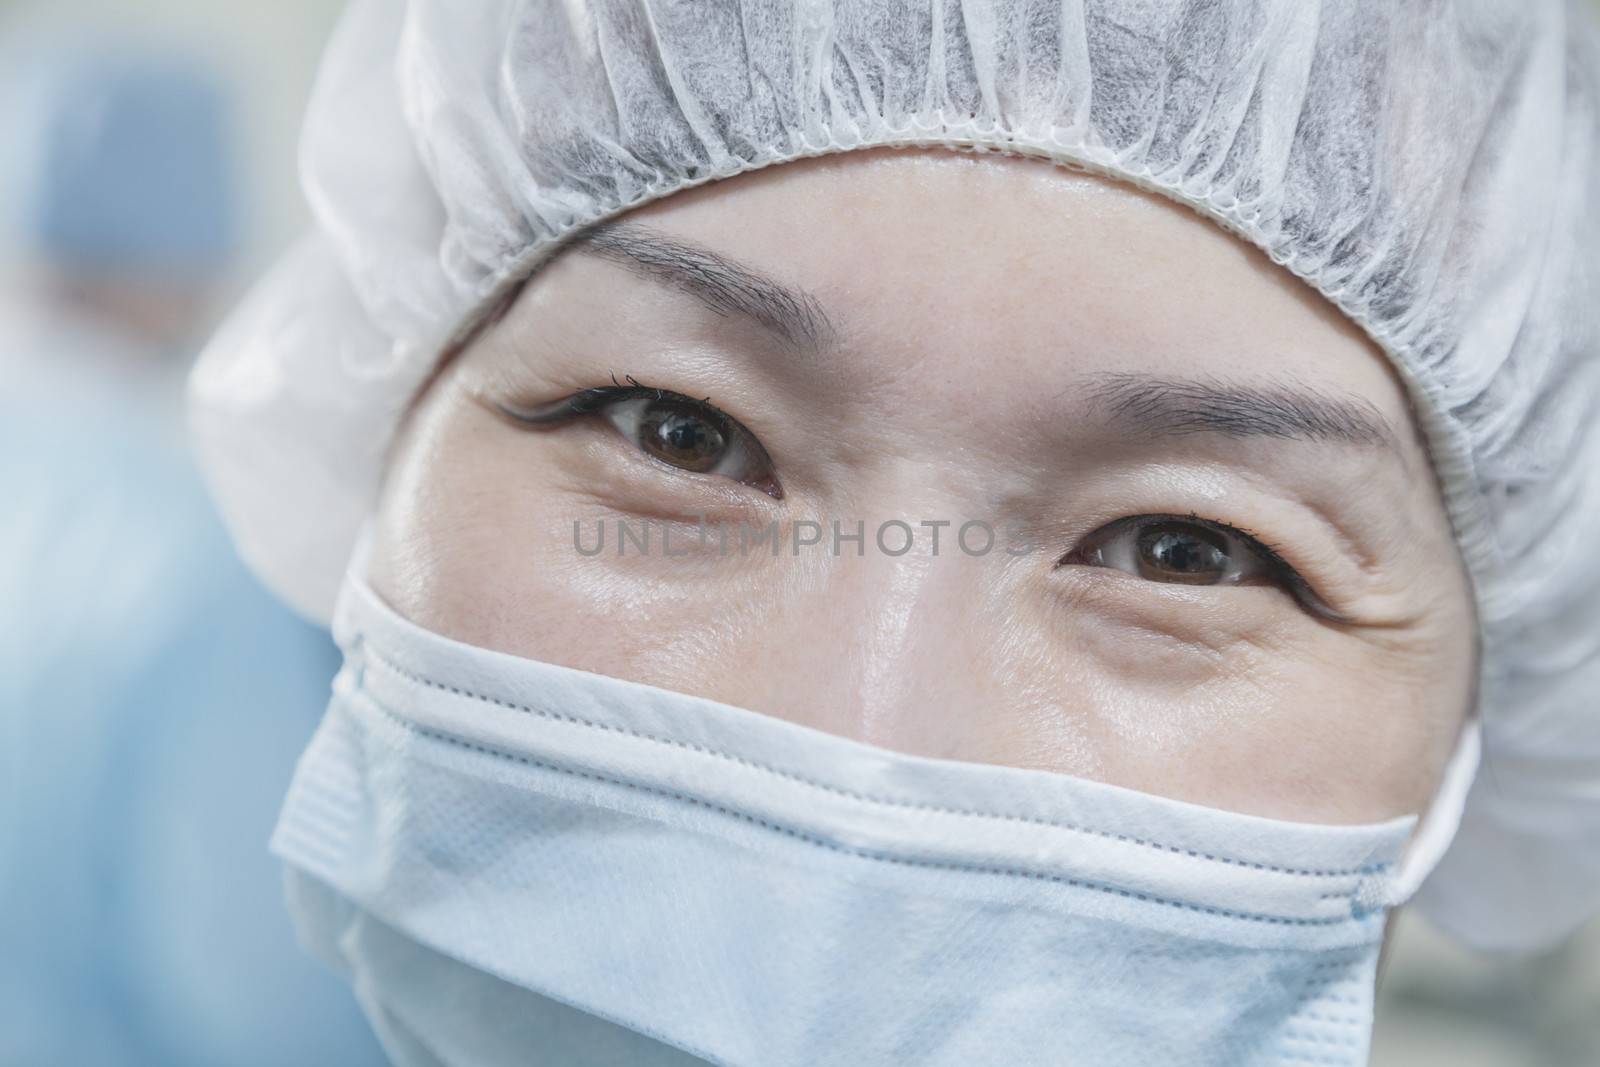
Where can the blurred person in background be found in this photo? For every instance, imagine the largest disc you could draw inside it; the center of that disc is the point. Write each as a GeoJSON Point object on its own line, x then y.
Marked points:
{"type": "Point", "coordinates": [152, 697]}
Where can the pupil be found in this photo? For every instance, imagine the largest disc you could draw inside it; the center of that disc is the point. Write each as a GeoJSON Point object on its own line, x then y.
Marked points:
{"type": "Point", "coordinates": [683, 435]}
{"type": "Point", "coordinates": [1178, 554]}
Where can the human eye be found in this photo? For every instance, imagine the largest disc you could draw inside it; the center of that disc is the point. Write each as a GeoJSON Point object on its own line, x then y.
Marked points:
{"type": "Point", "coordinates": [1189, 550]}
{"type": "Point", "coordinates": [676, 430]}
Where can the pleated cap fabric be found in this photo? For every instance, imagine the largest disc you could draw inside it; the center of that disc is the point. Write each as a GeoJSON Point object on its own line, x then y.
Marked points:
{"type": "Point", "coordinates": [1430, 167]}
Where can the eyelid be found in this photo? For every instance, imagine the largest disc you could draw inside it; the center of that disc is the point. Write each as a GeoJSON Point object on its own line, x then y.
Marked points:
{"type": "Point", "coordinates": [589, 401]}
{"type": "Point", "coordinates": [596, 400]}
{"type": "Point", "coordinates": [1281, 569]}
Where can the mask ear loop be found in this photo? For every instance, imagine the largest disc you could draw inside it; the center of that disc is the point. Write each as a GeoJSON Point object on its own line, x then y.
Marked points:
{"type": "Point", "coordinates": [344, 630]}
{"type": "Point", "coordinates": [1439, 824]}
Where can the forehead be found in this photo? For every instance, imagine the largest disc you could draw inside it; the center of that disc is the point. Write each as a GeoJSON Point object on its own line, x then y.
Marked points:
{"type": "Point", "coordinates": [1010, 267]}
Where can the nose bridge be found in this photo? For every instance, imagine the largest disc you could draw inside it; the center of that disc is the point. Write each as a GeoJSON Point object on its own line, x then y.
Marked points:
{"type": "Point", "coordinates": [901, 622]}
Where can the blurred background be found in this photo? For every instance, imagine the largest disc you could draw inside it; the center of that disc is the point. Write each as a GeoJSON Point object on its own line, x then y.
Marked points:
{"type": "Point", "coordinates": [153, 699]}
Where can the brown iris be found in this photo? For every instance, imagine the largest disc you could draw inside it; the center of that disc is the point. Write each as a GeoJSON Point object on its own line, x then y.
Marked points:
{"type": "Point", "coordinates": [1182, 553]}
{"type": "Point", "coordinates": [677, 434]}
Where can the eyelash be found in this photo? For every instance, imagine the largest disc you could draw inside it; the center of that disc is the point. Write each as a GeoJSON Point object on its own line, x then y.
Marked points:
{"type": "Point", "coordinates": [591, 400]}
{"type": "Point", "coordinates": [740, 455]}
{"type": "Point", "coordinates": [595, 399]}
{"type": "Point", "coordinates": [1281, 569]}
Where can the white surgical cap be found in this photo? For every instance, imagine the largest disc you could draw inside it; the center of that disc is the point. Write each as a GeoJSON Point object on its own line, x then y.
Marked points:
{"type": "Point", "coordinates": [1431, 168]}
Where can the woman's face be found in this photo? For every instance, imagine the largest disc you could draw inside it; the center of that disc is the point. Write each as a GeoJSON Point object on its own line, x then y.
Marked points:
{"type": "Point", "coordinates": [1219, 568]}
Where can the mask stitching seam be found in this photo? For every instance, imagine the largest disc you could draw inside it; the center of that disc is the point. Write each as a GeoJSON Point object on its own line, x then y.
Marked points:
{"type": "Point", "coordinates": [1293, 1035]}
{"type": "Point", "coordinates": [881, 801]}
{"type": "Point", "coordinates": [1338, 998]}
{"type": "Point", "coordinates": [473, 746]}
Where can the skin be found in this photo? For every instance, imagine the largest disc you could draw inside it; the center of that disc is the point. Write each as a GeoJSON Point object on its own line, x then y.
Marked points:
{"type": "Point", "coordinates": [974, 305]}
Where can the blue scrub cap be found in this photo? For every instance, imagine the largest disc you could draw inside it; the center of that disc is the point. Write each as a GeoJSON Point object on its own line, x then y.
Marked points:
{"type": "Point", "coordinates": [123, 162]}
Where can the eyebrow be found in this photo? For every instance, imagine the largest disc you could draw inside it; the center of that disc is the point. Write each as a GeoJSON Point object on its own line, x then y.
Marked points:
{"type": "Point", "coordinates": [1175, 407]}
{"type": "Point", "coordinates": [721, 284]}
{"type": "Point", "coordinates": [1144, 404]}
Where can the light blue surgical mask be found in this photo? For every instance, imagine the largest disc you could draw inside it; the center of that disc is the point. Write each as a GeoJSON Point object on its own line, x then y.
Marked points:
{"type": "Point", "coordinates": [516, 862]}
